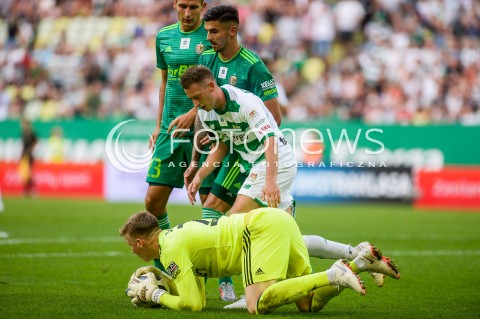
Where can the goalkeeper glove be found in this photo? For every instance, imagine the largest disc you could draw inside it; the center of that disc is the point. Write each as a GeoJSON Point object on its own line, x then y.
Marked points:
{"type": "Point", "coordinates": [145, 288]}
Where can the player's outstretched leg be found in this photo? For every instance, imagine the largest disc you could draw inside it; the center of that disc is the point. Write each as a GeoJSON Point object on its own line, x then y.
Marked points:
{"type": "Point", "coordinates": [291, 290]}
{"type": "Point", "coordinates": [378, 278]}
{"type": "Point", "coordinates": [370, 259]}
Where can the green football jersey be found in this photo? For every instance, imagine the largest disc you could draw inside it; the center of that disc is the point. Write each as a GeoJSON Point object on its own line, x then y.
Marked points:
{"type": "Point", "coordinates": [177, 51]}
{"type": "Point", "coordinates": [245, 71]}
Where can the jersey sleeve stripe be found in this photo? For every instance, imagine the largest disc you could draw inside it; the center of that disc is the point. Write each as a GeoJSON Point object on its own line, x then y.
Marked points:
{"type": "Point", "coordinates": [253, 57]}
{"type": "Point", "coordinates": [250, 55]}
{"type": "Point", "coordinates": [246, 57]}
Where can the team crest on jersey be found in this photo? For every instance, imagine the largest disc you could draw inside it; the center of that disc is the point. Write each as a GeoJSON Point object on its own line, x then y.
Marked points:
{"type": "Point", "coordinates": [233, 80]}
{"type": "Point", "coordinates": [199, 48]}
{"type": "Point", "coordinates": [173, 270]}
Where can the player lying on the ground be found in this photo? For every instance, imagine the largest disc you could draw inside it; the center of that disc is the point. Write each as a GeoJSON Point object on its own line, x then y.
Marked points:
{"type": "Point", "coordinates": [251, 244]}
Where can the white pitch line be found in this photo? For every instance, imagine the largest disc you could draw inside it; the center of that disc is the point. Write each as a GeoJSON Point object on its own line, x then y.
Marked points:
{"type": "Point", "coordinates": [59, 240]}
{"type": "Point", "coordinates": [411, 253]}
{"type": "Point", "coordinates": [415, 253]}
{"type": "Point", "coordinates": [66, 255]}
{"type": "Point", "coordinates": [116, 239]}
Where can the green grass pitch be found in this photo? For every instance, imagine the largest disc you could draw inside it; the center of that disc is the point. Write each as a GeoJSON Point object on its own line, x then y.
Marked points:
{"type": "Point", "coordinates": [64, 259]}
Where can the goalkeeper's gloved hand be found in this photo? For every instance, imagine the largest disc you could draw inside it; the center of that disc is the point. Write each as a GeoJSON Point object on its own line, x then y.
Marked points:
{"type": "Point", "coordinates": [145, 288]}
{"type": "Point", "coordinates": [160, 275]}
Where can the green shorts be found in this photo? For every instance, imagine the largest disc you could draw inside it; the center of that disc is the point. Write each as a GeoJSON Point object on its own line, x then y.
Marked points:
{"type": "Point", "coordinates": [229, 179]}
{"type": "Point", "coordinates": [207, 183]}
{"type": "Point", "coordinates": [170, 159]}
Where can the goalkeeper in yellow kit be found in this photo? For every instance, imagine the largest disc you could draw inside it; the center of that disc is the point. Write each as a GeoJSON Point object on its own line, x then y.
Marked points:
{"type": "Point", "coordinates": [265, 246]}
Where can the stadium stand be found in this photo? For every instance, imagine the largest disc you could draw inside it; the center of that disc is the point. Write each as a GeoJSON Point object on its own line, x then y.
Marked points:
{"type": "Point", "coordinates": [379, 61]}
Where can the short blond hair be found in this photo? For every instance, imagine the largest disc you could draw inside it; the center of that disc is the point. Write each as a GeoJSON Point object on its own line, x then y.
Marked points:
{"type": "Point", "coordinates": [141, 224]}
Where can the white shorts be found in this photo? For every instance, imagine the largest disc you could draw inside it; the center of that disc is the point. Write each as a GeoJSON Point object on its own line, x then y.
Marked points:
{"type": "Point", "coordinates": [255, 182]}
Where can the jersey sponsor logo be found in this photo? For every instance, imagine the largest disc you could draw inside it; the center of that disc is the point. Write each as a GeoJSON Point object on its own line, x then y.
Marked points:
{"type": "Point", "coordinates": [238, 138]}
{"type": "Point", "coordinates": [263, 129]}
{"type": "Point", "coordinates": [178, 72]}
{"type": "Point", "coordinates": [199, 48]}
{"type": "Point", "coordinates": [268, 84]}
{"type": "Point", "coordinates": [259, 123]}
{"type": "Point", "coordinates": [252, 114]}
{"type": "Point", "coordinates": [168, 49]}
{"type": "Point", "coordinates": [173, 270]}
{"type": "Point", "coordinates": [233, 80]}
{"type": "Point", "coordinates": [184, 43]}
{"type": "Point", "coordinates": [269, 92]}
{"type": "Point", "coordinates": [222, 73]}
{"type": "Point", "coordinates": [259, 272]}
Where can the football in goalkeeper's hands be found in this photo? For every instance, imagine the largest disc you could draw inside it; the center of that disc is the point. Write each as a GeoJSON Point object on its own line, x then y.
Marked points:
{"type": "Point", "coordinates": [136, 281]}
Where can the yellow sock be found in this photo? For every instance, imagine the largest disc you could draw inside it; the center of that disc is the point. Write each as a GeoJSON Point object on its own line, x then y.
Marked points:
{"type": "Point", "coordinates": [323, 295]}
{"type": "Point", "coordinates": [290, 290]}
{"type": "Point", "coordinates": [354, 267]}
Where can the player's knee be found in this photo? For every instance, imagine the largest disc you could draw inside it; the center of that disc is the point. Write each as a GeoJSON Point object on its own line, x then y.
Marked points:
{"type": "Point", "coordinates": [213, 202]}
{"type": "Point", "coordinates": [252, 308]}
{"type": "Point", "coordinates": [153, 205]}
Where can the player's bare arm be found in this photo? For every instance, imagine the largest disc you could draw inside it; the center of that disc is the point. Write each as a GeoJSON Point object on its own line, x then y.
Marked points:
{"type": "Point", "coordinates": [271, 191]}
{"type": "Point", "coordinates": [213, 160]}
{"type": "Point", "coordinates": [274, 107]}
{"type": "Point", "coordinates": [161, 100]}
{"type": "Point", "coordinates": [183, 123]}
{"type": "Point", "coordinates": [198, 143]}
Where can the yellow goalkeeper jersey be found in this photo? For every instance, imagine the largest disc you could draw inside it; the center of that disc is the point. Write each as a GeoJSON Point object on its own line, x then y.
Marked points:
{"type": "Point", "coordinates": [200, 248]}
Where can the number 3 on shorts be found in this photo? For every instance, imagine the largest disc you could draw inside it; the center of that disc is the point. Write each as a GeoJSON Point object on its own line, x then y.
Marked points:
{"type": "Point", "coordinates": [156, 163]}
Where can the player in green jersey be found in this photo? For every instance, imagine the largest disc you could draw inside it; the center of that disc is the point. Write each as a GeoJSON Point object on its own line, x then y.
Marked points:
{"type": "Point", "coordinates": [235, 65]}
{"type": "Point", "coordinates": [178, 46]}
{"type": "Point", "coordinates": [251, 245]}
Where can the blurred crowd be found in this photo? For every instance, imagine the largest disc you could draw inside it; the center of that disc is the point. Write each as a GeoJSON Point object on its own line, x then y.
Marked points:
{"type": "Point", "coordinates": [378, 61]}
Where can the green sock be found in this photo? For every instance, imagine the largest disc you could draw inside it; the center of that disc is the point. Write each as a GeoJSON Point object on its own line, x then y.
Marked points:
{"type": "Point", "coordinates": [209, 213]}
{"type": "Point", "coordinates": [227, 280]}
{"type": "Point", "coordinates": [163, 223]}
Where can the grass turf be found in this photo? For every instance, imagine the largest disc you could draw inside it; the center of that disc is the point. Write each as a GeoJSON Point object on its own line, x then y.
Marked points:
{"type": "Point", "coordinates": [64, 259]}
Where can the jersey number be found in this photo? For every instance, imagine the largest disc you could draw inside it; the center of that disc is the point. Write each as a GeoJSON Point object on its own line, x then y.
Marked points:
{"type": "Point", "coordinates": [156, 167]}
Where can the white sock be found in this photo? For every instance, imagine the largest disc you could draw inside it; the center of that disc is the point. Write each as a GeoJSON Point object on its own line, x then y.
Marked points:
{"type": "Point", "coordinates": [360, 263]}
{"type": "Point", "coordinates": [319, 247]}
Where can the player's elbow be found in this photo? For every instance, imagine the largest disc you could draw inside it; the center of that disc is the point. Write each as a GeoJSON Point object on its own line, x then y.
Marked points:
{"type": "Point", "coordinates": [278, 119]}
